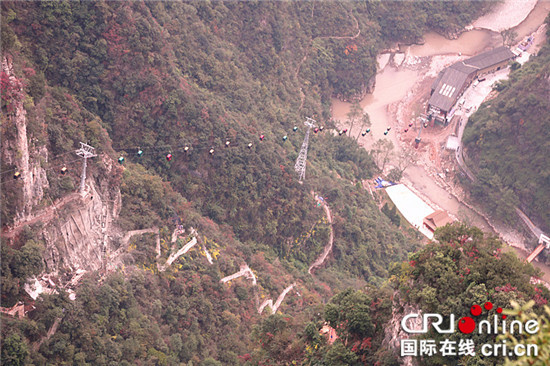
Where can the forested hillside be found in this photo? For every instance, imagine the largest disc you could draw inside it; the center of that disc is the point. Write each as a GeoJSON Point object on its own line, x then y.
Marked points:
{"type": "Point", "coordinates": [508, 140]}
{"type": "Point", "coordinates": [160, 76]}
{"type": "Point", "coordinates": [463, 268]}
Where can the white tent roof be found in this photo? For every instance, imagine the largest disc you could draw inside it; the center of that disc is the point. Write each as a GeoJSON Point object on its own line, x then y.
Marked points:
{"type": "Point", "coordinates": [411, 207]}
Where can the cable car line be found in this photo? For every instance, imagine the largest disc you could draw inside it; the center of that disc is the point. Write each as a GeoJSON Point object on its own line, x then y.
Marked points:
{"type": "Point", "coordinates": [169, 149]}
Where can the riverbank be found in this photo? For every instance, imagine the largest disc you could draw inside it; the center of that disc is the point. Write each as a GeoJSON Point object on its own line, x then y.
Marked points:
{"type": "Point", "coordinates": [402, 90]}
{"type": "Point", "coordinates": [507, 14]}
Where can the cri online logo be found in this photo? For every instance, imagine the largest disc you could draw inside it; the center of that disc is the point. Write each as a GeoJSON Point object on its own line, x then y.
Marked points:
{"type": "Point", "coordinates": [467, 324]}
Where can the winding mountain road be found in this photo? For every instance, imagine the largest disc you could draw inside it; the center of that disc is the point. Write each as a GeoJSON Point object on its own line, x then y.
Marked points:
{"type": "Point", "coordinates": [328, 248]}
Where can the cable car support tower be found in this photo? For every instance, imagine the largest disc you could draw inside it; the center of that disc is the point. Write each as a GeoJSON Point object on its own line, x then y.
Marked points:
{"type": "Point", "coordinates": [86, 151]}
{"type": "Point", "coordinates": [300, 165]}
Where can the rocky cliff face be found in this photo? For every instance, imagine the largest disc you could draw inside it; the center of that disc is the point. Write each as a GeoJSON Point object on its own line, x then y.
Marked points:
{"type": "Point", "coordinates": [17, 151]}
{"type": "Point", "coordinates": [81, 232]}
{"type": "Point", "coordinates": [77, 230]}
{"type": "Point", "coordinates": [394, 333]}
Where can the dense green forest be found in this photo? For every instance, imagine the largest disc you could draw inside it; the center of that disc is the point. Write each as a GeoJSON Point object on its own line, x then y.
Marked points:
{"type": "Point", "coordinates": [159, 76]}
{"type": "Point", "coordinates": [507, 140]}
{"type": "Point", "coordinates": [465, 267]}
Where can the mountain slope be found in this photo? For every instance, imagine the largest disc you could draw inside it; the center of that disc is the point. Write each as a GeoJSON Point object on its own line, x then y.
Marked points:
{"type": "Point", "coordinates": [156, 77]}
{"type": "Point", "coordinates": [508, 141]}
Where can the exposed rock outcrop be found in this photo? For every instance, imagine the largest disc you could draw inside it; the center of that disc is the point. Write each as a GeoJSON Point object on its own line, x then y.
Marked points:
{"type": "Point", "coordinates": [82, 233]}
{"type": "Point", "coordinates": [17, 151]}
{"type": "Point", "coordinates": [394, 333]}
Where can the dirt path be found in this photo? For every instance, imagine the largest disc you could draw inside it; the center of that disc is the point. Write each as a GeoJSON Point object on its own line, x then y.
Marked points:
{"type": "Point", "coordinates": [50, 333]}
{"type": "Point", "coordinates": [247, 273]}
{"type": "Point", "coordinates": [280, 299]}
{"type": "Point", "coordinates": [244, 271]}
{"type": "Point", "coordinates": [190, 244]}
{"type": "Point", "coordinates": [129, 234]}
{"type": "Point", "coordinates": [328, 248]}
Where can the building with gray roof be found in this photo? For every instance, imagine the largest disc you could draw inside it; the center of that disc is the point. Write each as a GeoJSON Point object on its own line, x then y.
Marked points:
{"type": "Point", "coordinates": [452, 81]}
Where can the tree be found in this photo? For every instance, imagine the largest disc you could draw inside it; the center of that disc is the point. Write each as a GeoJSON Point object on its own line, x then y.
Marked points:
{"type": "Point", "coordinates": [28, 261]}
{"type": "Point", "coordinates": [210, 362]}
{"type": "Point", "coordinates": [508, 37]}
{"type": "Point", "coordinates": [365, 123]}
{"type": "Point", "coordinates": [395, 175]}
{"type": "Point", "coordinates": [403, 160]}
{"type": "Point", "coordinates": [349, 312]}
{"type": "Point", "coordinates": [540, 338]}
{"type": "Point", "coordinates": [338, 355]}
{"type": "Point", "coordinates": [381, 153]}
{"type": "Point", "coordinates": [14, 351]}
{"type": "Point", "coordinates": [354, 114]}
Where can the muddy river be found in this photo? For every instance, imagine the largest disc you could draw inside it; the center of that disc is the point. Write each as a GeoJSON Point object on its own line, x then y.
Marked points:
{"type": "Point", "coordinates": [394, 84]}
{"type": "Point", "coordinates": [469, 43]}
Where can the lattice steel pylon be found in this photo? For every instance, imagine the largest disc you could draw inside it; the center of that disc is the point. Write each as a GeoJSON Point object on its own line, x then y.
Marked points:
{"type": "Point", "coordinates": [86, 151]}
{"type": "Point", "coordinates": [300, 165]}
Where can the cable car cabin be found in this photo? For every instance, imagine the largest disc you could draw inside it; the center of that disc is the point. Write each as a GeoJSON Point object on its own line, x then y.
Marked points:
{"type": "Point", "coordinates": [321, 128]}
{"type": "Point", "coordinates": [139, 153]}
{"type": "Point", "coordinates": [186, 149]}
{"type": "Point", "coordinates": [316, 130]}
{"type": "Point", "coordinates": [227, 143]}
{"type": "Point", "coordinates": [16, 175]}
{"type": "Point", "coordinates": [262, 137]}
{"type": "Point", "coordinates": [121, 160]}
{"type": "Point", "coordinates": [285, 137]}
{"type": "Point", "coordinates": [250, 145]}
{"type": "Point", "coordinates": [295, 129]}
{"type": "Point", "coordinates": [211, 152]}
{"type": "Point", "coordinates": [64, 170]}
{"type": "Point", "coordinates": [169, 157]}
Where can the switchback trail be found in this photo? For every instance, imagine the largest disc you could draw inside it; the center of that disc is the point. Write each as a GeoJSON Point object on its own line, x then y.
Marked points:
{"type": "Point", "coordinates": [248, 274]}
{"type": "Point", "coordinates": [244, 271]}
{"type": "Point", "coordinates": [179, 253]}
{"type": "Point", "coordinates": [280, 299]}
{"type": "Point", "coordinates": [328, 248]}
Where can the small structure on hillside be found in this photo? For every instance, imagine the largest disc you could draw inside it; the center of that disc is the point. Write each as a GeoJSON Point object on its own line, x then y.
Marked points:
{"type": "Point", "coordinates": [412, 207]}
{"type": "Point", "coordinates": [452, 81]}
{"type": "Point", "coordinates": [437, 219]}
